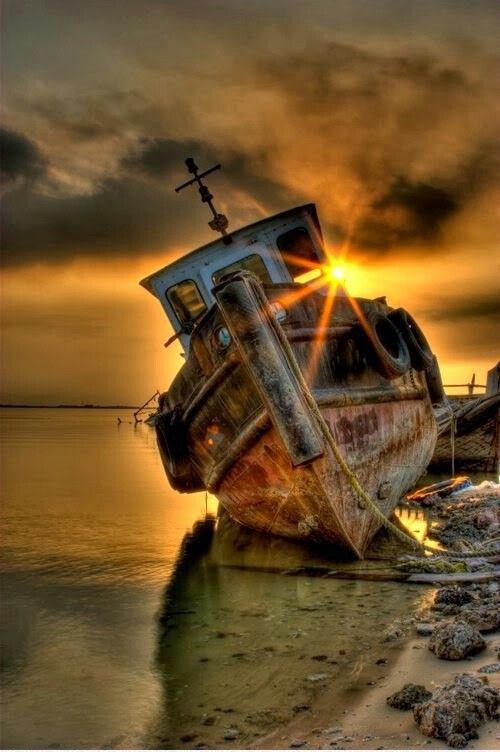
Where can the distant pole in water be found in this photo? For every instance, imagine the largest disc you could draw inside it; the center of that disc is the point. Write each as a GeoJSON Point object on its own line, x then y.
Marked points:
{"type": "Point", "coordinates": [220, 222]}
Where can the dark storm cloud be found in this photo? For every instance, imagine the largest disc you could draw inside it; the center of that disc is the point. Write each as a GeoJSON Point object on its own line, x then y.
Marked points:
{"type": "Point", "coordinates": [160, 157]}
{"type": "Point", "coordinates": [89, 120]}
{"type": "Point", "coordinates": [483, 306]}
{"type": "Point", "coordinates": [413, 137]}
{"type": "Point", "coordinates": [406, 213]}
{"type": "Point", "coordinates": [394, 149]}
{"type": "Point", "coordinates": [123, 216]}
{"type": "Point", "coordinates": [133, 213]}
{"type": "Point", "coordinates": [20, 159]}
{"type": "Point", "coordinates": [164, 158]}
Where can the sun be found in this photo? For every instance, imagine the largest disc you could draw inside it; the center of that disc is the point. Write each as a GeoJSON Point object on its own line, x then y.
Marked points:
{"type": "Point", "coordinates": [336, 273]}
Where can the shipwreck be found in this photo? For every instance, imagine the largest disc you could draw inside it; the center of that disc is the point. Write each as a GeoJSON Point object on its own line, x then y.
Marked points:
{"type": "Point", "coordinates": [293, 394]}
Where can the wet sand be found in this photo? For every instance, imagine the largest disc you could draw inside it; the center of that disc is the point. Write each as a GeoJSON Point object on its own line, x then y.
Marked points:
{"type": "Point", "coordinates": [254, 689]}
{"type": "Point", "coordinates": [367, 722]}
{"type": "Point", "coordinates": [252, 658]}
{"type": "Point", "coordinates": [248, 658]}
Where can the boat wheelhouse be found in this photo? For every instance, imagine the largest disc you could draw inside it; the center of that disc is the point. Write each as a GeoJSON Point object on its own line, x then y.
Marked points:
{"type": "Point", "coordinates": [277, 250]}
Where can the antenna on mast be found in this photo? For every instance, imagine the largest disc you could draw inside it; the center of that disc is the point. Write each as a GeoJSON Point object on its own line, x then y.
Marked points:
{"type": "Point", "coordinates": [220, 222]}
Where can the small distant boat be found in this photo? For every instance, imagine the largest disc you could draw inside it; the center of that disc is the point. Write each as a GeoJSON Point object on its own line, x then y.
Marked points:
{"type": "Point", "coordinates": [267, 326]}
{"type": "Point", "coordinates": [469, 431]}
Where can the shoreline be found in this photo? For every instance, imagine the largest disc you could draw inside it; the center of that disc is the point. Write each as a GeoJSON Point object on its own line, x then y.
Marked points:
{"type": "Point", "coordinates": [334, 685]}
{"type": "Point", "coordinates": [69, 407]}
{"type": "Point", "coordinates": [367, 722]}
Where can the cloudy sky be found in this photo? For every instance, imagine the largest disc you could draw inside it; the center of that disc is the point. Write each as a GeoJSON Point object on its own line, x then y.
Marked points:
{"type": "Point", "coordinates": [385, 113]}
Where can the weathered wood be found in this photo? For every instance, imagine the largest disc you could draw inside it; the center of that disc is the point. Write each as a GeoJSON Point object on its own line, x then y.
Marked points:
{"type": "Point", "coordinates": [247, 320]}
{"type": "Point", "coordinates": [262, 489]}
{"type": "Point", "coordinates": [476, 440]}
{"type": "Point", "coordinates": [375, 575]}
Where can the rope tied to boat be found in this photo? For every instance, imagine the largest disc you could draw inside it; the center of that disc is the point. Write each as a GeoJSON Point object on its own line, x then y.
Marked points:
{"type": "Point", "coordinates": [453, 430]}
{"type": "Point", "coordinates": [364, 497]}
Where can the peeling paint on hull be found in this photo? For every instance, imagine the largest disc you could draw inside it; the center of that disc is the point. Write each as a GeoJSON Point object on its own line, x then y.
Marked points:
{"type": "Point", "coordinates": [387, 445]}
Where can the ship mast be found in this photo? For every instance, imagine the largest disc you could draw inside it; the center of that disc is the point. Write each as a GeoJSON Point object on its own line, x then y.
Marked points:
{"type": "Point", "coordinates": [220, 222]}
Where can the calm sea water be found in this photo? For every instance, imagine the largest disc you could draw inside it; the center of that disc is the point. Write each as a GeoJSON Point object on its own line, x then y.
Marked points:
{"type": "Point", "coordinates": [120, 631]}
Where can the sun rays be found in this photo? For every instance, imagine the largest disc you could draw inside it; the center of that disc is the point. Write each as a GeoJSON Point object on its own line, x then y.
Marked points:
{"type": "Point", "coordinates": [331, 279]}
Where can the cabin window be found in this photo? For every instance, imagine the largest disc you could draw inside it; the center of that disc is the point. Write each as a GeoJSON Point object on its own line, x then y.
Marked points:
{"type": "Point", "coordinates": [297, 245]}
{"type": "Point", "coordinates": [253, 263]}
{"type": "Point", "coordinates": [186, 300]}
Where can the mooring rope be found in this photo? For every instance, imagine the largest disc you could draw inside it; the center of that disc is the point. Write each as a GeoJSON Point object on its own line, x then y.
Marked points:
{"type": "Point", "coordinates": [351, 476]}
{"type": "Point", "coordinates": [453, 430]}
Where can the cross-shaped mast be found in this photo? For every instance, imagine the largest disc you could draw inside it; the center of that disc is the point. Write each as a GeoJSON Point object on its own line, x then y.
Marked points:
{"type": "Point", "coordinates": [220, 222]}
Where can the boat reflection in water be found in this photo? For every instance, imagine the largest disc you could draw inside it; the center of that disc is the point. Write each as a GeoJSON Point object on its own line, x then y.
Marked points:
{"type": "Point", "coordinates": [243, 650]}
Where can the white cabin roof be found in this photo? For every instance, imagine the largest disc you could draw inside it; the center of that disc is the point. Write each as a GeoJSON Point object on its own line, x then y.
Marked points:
{"type": "Point", "coordinates": [259, 241]}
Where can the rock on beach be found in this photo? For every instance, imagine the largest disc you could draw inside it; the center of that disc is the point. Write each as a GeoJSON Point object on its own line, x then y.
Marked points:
{"type": "Point", "coordinates": [491, 668]}
{"type": "Point", "coordinates": [454, 640]}
{"type": "Point", "coordinates": [485, 617]}
{"type": "Point", "coordinates": [457, 710]}
{"type": "Point", "coordinates": [409, 696]}
{"type": "Point", "coordinates": [455, 595]}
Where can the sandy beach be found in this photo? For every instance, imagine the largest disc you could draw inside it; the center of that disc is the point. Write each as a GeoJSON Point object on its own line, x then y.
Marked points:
{"type": "Point", "coordinates": [243, 689]}
{"type": "Point", "coordinates": [366, 721]}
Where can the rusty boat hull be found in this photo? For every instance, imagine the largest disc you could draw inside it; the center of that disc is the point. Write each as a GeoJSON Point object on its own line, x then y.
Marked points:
{"type": "Point", "coordinates": [235, 421]}
{"type": "Point", "coordinates": [316, 502]}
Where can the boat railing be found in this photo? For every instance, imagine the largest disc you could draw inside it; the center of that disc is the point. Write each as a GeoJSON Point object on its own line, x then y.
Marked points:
{"type": "Point", "coordinates": [470, 386]}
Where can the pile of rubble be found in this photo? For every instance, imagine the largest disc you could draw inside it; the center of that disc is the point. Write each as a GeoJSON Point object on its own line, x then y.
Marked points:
{"type": "Point", "coordinates": [457, 710]}
{"type": "Point", "coordinates": [464, 521]}
{"type": "Point", "coordinates": [455, 624]}
{"type": "Point", "coordinates": [470, 518]}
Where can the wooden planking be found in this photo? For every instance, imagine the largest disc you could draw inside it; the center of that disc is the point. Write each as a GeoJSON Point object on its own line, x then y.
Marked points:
{"type": "Point", "coordinates": [264, 492]}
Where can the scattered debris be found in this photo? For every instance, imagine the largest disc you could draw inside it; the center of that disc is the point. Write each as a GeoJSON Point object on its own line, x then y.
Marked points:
{"type": "Point", "coordinates": [315, 678]}
{"type": "Point", "coordinates": [454, 640]}
{"type": "Point", "coordinates": [455, 595]}
{"type": "Point", "coordinates": [409, 696]}
{"type": "Point", "coordinates": [457, 710]}
{"type": "Point", "coordinates": [491, 668]}
{"type": "Point", "coordinates": [469, 519]}
{"type": "Point", "coordinates": [231, 734]}
{"type": "Point", "coordinates": [429, 495]}
{"type": "Point", "coordinates": [424, 629]}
